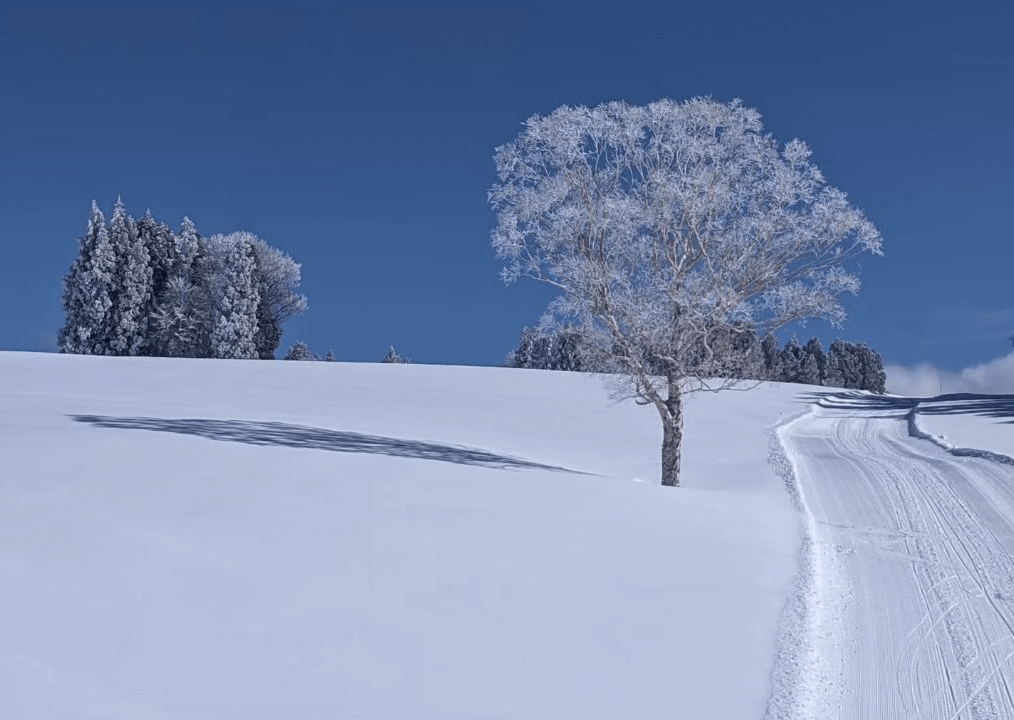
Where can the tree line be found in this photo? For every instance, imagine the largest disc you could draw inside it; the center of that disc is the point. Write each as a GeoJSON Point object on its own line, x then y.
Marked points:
{"type": "Point", "coordinates": [138, 288]}
{"type": "Point", "coordinates": [844, 365]}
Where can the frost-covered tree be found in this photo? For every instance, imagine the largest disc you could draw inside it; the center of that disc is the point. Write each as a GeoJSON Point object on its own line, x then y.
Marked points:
{"type": "Point", "coordinates": [278, 278]}
{"type": "Point", "coordinates": [814, 371]}
{"type": "Point", "coordinates": [300, 351]}
{"type": "Point", "coordinates": [234, 296]}
{"type": "Point", "coordinates": [527, 350]}
{"type": "Point", "coordinates": [871, 364]}
{"type": "Point", "coordinates": [87, 291]}
{"type": "Point", "coordinates": [666, 225]}
{"type": "Point", "coordinates": [160, 244]}
{"type": "Point", "coordinates": [548, 351]}
{"type": "Point", "coordinates": [393, 357]}
{"type": "Point", "coordinates": [844, 366]}
{"type": "Point", "coordinates": [188, 249]}
{"type": "Point", "coordinates": [791, 361]}
{"type": "Point", "coordinates": [179, 325]}
{"type": "Point", "coordinates": [771, 358]}
{"type": "Point", "coordinates": [183, 317]}
{"type": "Point", "coordinates": [132, 286]}
{"type": "Point", "coordinates": [330, 356]}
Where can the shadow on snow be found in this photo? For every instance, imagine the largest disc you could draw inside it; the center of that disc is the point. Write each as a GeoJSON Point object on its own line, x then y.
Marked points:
{"type": "Point", "coordinates": [281, 434]}
{"type": "Point", "coordinates": [994, 406]}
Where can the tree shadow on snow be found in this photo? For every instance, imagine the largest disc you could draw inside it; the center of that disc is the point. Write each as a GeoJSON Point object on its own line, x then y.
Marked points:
{"type": "Point", "coordinates": [252, 432]}
{"type": "Point", "coordinates": [994, 406]}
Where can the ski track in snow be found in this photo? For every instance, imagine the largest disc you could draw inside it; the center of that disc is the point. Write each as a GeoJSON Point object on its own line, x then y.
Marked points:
{"type": "Point", "coordinates": [912, 550]}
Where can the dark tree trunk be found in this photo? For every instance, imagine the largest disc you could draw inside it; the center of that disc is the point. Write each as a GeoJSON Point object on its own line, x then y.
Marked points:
{"type": "Point", "coordinates": [672, 437]}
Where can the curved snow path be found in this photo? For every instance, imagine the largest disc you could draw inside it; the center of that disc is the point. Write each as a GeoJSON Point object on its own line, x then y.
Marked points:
{"type": "Point", "coordinates": [914, 569]}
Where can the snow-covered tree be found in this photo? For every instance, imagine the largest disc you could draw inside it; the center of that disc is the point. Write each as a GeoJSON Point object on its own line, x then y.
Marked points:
{"type": "Point", "coordinates": [188, 248]}
{"type": "Point", "coordinates": [871, 364]}
{"type": "Point", "coordinates": [843, 366]}
{"type": "Point", "coordinates": [278, 278]}
{"type": "Point", "coordinates": [158, 240]}
{"type": "Point", "coordinates": [234, 296]}
{"type": "Point", "coordinates": [666, 225]}
{"type": "Point", "coordinates": [791, 361]}
{"type": "Point", "coordinates": [330, 356]}
{"type": "Point", "coordinates": [179, 324]}
{"type": "Point", "coordinates": [132, 287]}
{"type": "Point", "coordinates": [87, 291]}
{"type": "Point", "coordinates": [183, 317]}
{"type": "Point", "coordinates": [300, 351]}
{"type": "Point", "coordinates": [771, 358]}
{"type": "Point", "coordinates": [547, 351]}
{"type": "Point", "coordinates": [393, 357]}
{"type": "Point", "coordinates": [814, 371]}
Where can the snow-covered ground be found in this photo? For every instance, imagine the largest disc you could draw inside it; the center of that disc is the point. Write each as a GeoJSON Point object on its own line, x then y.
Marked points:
{"type": "Point", "coordinates": [970, 422]}
{"type": "Point", "coordinates": [184, 539]}
{"type": "Point", "coordinates": [910, 551]}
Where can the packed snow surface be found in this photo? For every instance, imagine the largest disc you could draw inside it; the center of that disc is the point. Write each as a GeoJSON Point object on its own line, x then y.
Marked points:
{"type": "Point", "coordinates": [184, 539]}
{"type": "Point", "coordinates": [910, 548]}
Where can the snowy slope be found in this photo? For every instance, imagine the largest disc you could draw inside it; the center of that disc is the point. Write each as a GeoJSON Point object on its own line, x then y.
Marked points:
{"type": "Point", "coordinates": [970, 422]}
{"type": "Point", "coordinates": [234, 539]}
{"type": "Point", "coordinates": [909, 548]}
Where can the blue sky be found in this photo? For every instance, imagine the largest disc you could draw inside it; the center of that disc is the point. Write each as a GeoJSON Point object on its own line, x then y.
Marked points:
{"type": "Point", "coordinates": [359, 139]}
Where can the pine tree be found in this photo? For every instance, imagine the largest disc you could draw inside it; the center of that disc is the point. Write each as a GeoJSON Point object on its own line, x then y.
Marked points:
{"type": "Point", "coordinates": [301, 351]}
{"type": "Point", "coordinates": [816, 348]}
{"type": "Point", "coordinates": [179, 323]}
{"type": "Point", "coordinates": [791, 361]}
{"type": "Point", "coordinates": [770, 358]}
{"type": "Point", "coordinates": [132, 285]}
{"type": "Point", "coordinates": [330, 356]}
{"type": "Point", "coordinates": [235, 298]}
{"type": "Point", "coordinates": [871, 365]}
{"type": "Point", "coordinates": [813, 367]}
{"type": "Point", "coordinates": [188, 248]}
{"type": "Point", "coordinates": [87, 291]}
{"type": "Point", "coordinates": [158, 239]}
{"type": "Point", "coordinates": [842, 370]}
{"type": "Point", "coordinates": [393, 357]}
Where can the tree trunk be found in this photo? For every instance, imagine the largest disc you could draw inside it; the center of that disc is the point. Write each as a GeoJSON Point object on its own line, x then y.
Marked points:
{"type": "Point", "coordinates": [672, 438]}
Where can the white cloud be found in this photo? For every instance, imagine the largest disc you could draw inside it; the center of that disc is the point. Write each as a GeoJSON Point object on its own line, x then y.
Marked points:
{"type": "Point", "coordinates": [925, 380]}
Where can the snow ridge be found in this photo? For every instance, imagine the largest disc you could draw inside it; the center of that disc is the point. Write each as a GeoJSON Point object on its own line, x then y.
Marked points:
{"type": "Point", "coordinates": [916, 430]}
{"type": "Point", "coordinates": [807, 677]}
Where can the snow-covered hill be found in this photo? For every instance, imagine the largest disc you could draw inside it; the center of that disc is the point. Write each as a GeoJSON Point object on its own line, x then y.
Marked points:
{"type": "Point", "coordinates": [184, 539]}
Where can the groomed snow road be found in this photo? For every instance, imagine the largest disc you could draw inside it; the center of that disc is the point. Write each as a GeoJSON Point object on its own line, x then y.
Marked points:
{"type": "Point", "coordinates": [908, 610]}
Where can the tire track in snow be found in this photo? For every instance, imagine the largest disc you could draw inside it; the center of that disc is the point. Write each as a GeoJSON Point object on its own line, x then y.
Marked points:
{"type": "Point", "coordinates": [923, 541]}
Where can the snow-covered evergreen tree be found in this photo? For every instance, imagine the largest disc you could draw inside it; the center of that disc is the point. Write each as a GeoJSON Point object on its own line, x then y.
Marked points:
{"type": "Point", "coordinates": [179, 324]}
{"type": "Point", "coordinates": [842, 370]}
{"type": "Point", "coordinates": [871, 364]}
{"type": "Point", "coordinates": [791, 361]}
{"type": "Point", "coordinates": [161, 247]}
{"type": "Point", "coordinates": [235, 297]}
{"type": "Point", "coordinates": [771, 358]}
{"type": "Point", "coordinates": [330, 356]}
{"type": "Point", "coordinates": [301, 351]}
{"type": "Point", "coordinates": [187, 249]}
{"type": "Point", "coordinates": [87, 291]}
{"type": "Point", "coordinates": [183, 317]}
{"type": "Point", "coordinates": [813, 364]}
{"type": "Point", "coordinates": [393, 357]}
{"type": "Point", "coordinates": [132, 286]}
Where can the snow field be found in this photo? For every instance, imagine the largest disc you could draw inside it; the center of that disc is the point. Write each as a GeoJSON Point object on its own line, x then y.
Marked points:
{"type": "Point", "coordinates": [217, 539]}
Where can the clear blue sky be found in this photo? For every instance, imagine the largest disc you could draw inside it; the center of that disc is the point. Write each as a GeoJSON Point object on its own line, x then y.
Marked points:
{"type": "Point", "coordinates": [359, 139]}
